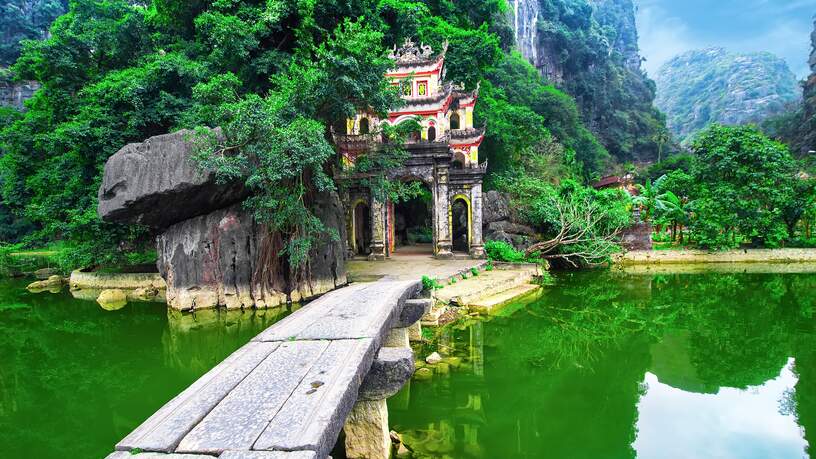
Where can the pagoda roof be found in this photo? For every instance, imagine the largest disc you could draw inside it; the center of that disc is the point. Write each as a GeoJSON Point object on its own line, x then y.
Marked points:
{"type": "Point", "coordinates": [410, 55]}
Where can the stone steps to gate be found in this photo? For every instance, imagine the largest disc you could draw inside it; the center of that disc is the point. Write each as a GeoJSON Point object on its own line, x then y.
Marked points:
{"type": "Point", "coordinates": [491, 304]}
{"type": "Point", "coordinates": [486, 284]}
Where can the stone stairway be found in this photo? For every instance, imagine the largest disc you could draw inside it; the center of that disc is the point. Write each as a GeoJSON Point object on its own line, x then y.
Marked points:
{"type": "Point", "coordinates": [487, 290]}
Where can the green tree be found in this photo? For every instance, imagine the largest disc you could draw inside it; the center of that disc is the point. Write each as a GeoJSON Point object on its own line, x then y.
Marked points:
{"type": "Point", "coordinates": [743, 183]}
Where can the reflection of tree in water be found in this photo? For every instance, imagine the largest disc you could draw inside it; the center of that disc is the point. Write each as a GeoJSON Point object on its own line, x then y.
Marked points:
{"type": "Point", "coordinates": [75, 379]}
{"type": "Point", "coordinates": [563, 375]}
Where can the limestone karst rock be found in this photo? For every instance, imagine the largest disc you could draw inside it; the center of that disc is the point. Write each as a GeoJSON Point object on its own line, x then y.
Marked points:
{"type": "Point", "coordinates": [589, 49]}
{"type": "Point", "coordinates": [211, 251]}
{"type": "Point", "coordinates": [156, 183]}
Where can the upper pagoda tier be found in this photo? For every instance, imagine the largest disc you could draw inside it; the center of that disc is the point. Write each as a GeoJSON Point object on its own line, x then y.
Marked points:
{"type": "Point", "coordinates": [443, 110]}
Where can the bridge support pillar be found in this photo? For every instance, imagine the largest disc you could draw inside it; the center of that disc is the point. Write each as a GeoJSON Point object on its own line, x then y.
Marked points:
{"type": "Point", "coordinates": [367, 434]}
{"type": "Point", "coordinates": [398, 337]}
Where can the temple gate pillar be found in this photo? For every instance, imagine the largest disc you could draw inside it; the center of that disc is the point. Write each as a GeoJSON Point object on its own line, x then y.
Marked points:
{"type": "Point", "coordinates": [476, 243]}
{"type": "Point", "coordinates": [378, 227]}
{"type": "Point", "coordinates": [442, 211]}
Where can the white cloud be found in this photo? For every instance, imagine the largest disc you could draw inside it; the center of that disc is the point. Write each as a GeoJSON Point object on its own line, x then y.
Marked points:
{"type": "Point", "coordinates": [662, 36]}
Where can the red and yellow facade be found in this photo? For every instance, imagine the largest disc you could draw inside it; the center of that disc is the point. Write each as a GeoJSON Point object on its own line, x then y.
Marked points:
{"type": "Point", "coordinates": [443, 110]}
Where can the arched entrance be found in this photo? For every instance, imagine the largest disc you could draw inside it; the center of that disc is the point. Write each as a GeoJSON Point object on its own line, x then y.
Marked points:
{"type": "Point", "coordinates": [460, 224]}
{"type": "Point", "coordinates": [413, 224]}
{"type": "Point", "coordinates": [362, 228]}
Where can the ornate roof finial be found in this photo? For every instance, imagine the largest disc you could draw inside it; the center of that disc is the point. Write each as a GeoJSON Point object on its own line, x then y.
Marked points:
{"type": "Point", "coordinates": [410, 53]}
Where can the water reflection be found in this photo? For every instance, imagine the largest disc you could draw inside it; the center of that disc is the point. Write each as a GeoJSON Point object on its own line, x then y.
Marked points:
{"type": "Point", "coordinates": [620, 366]}
{"type": "Point", "coordinates": [75, 379]}
{"type": "Point", "coordinates": [757, 422]}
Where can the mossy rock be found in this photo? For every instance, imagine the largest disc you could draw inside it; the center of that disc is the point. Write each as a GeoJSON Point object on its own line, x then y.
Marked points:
{"type": "Point", "coordinates": [423, 374]}
{"type": "Point", "coordinates": [112, 299]}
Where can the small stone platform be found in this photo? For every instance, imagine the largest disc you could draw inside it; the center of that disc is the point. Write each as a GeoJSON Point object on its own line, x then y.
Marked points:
{"type": "Point", "coordinates": [287, 393]}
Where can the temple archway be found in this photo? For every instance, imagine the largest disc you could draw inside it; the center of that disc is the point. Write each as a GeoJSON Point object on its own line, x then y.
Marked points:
{"type": "Point", "coordinates": [364, 126]}
{"type": "Point", "coordinates": [460, 224]}
{"type": "Point", "coordinates": [362, 228]}
{"type": "Point", "coordinates": [413, 224]}
{"type": "Point", "coordinates": [431, 134]}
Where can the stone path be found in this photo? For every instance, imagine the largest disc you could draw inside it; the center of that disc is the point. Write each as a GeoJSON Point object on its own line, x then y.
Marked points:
{"type": "Point", "coordinates": [287, 393]}
{"type": "Point", "coordinates": [408, 267]}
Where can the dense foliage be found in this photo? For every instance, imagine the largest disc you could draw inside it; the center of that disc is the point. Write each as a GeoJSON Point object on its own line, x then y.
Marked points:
{"type": "Point", "coordinates": [741, 187]}
{"type": "Point", "coordinates": [275, 75]}
{"type": "Point", "coordinates": [699, 88]}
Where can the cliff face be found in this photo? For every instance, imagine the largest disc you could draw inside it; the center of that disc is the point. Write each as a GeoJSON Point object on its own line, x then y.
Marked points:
{"type": "Point", "coordinates": [810, 84]}
{"type": "Point", "coordinates": [25, 19]}
{"type": "Point", "coordinates": [589, 49]}
{"type": "Point", "coordinates": [698, 88]}
{"type": "Point", "coordinates": [22, 20]}
{"type": "Point", "coordinates": [14, 94]}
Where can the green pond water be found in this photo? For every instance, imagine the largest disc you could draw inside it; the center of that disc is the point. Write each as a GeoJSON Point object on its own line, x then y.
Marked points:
{"type": "Point", "coordinates": [75, 379]}
{"type": "Point", "coordinates": [608, 366]}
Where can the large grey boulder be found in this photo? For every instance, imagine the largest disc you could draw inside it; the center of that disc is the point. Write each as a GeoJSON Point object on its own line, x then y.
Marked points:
{"type": "Point", "coordinates": [496, 207]}
{"type": "Point", "coordinates": [156, 183]}
{"type": "Point", "coordinates": [224, 259]}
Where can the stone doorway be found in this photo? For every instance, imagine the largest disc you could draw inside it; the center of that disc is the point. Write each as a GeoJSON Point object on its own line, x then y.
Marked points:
{"type": "Point", "coordinates": [460, 225]}
{"type": "Point", "coordinates": [413, 224]}
{"type": "Point", "coordinates": [362, 229]}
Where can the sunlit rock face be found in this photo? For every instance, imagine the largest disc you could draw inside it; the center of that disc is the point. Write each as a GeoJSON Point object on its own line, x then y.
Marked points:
{"type": "Point", "coordinates": [525, 26]}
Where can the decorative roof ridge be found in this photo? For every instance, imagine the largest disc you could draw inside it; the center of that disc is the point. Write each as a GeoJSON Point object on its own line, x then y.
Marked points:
{"type": "Point", "coordinates": [412, 55]}
{"type": "Point", "coordinates": [460, 93]}
{"type": "Point", "coordinates": [467, 132]}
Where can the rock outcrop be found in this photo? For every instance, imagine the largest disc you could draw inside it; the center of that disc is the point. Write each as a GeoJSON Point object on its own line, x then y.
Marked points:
{"type": "Point", "coordinates": [156, 183]}
{"type": "Point", "coordinates": [218, 260]}
{"type": "Point", "coordinates": [14, 94]}
{"type": "Point", "coordinates": [499, 224]}
{"type": "Point", "coordinates": [211, 251]}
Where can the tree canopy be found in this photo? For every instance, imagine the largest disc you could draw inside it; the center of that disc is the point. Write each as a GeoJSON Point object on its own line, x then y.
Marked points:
{"type": "Point", "coordinates": [116, 72]}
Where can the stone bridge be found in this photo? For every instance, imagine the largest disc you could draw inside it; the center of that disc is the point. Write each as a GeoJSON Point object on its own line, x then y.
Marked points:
{"type": "Point", "coordinates": [290, 391]}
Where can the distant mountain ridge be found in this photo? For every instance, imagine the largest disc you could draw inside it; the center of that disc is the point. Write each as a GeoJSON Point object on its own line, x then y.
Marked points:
{"type": "Point", "coordinates": [707, 86]}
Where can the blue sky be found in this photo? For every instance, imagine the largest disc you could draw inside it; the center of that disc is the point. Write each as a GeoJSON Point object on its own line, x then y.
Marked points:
{"type": "Point", "coordinates": [670, 27]}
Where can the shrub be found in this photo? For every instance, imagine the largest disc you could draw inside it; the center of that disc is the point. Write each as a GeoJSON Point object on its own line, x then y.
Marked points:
{"type": "Point", "coordinates": [502, 251]}
{"type": "Point", "coordinates": [429, 283]}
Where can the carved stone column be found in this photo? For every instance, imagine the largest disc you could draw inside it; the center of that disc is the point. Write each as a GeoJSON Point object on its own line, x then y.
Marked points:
{"type": "Point", "coordinates": [476, 243]}
{"type": "Point", "coordinates": [378, 226]}
{"type": "Point", "coordinates": [442, 211]}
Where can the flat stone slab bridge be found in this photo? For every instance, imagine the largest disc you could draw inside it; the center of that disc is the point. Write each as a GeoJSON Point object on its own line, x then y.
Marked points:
{"type": "Point", "coordinates": [288, 393]}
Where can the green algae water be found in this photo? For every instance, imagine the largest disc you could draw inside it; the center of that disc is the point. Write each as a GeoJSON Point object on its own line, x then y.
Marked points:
{"type": "Point", "coordinates": [608, 366]}
{"type": "Point", "coordinates": [75, 379]}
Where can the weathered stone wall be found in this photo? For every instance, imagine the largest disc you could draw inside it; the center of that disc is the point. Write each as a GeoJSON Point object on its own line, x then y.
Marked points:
{"type": "Point", "coordinates": [637, 237]}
